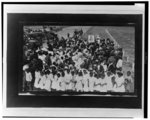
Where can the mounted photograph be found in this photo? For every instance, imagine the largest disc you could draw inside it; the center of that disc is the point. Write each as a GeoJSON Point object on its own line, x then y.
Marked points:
{"type": "Point", "coordinates": [78, 59]}
{"type": "Point", "coordinates": [74, 60]}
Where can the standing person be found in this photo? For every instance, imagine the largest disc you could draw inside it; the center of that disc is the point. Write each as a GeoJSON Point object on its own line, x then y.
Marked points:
{"type": "Point", "coordinates": [113, 83]}
{"type": "Point", "coordinates": [28, 79]}
{"type": "Point", "coordinates": [120, 86]}
{"type": "Point", "coordinates": [79, 78]}
{"type": "Point", "coordinates": [58, 81]}
{"type": "Point", "coordinates": [103, 83]}
{"type": "Point", "coordinates": [62, 82]}
{"type": "Point", "coordinates": [98, 84]}
{"type": "Point", "coordinates": [129, 85]}
{"type": "Point", "coordinates": [54, 82]}
{"type": "Point", "coordinates": [24, 84]}
{"type": "Point", "coordinates": [67, 78]}
{"type": "Point", "coordinates": [91, 82]}
{"type": "Point", "coordinates": [47, 82]}
{"type": "Point", "coordinates": [104, 65]}
{"type": "Point", "coordinates": [72, 82]}
{"type": "Point", "coordinates": [42, 81]}
{"type": "Point", "coordinates": [51, 77]}
{"type": "Point", "coordinates": [109, 81]}
{"type": "Point", "coordinates": [37, 78]}
{"type": "Point", "coordinates": [95, 80]}
{"type": "Point", "coordinates": [85, 81]}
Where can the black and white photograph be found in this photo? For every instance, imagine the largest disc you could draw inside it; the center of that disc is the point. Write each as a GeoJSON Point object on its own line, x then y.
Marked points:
{"type": "Point", "coordinates": [78, 59]}
{"type": "Point", "coordinates": [75, 60]}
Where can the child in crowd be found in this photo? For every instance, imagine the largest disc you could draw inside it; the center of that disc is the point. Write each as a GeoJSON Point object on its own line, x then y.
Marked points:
{"type": "Point", "coordinates": [58, 81]}
{"type": "Point", "coordinates": [129, 82]}
{"type": "Point", "coordinates": [67, 78]}
{"type": "Point", "coordinates": [109, 81]}
{"type": "Point", "coordinates": [28, 78]}
{"type": "Point", "coordinates": [103, 83]}
{"type": "Point", "coordinates": [37, 79]}
{"type": "Point", "coordinates": [54, 82]}
{"type": "Point", "coordinates": [85, 81]}
{"type": "Point", "coordinates": [42, 81]}
{"type": "Point", "coordinates": [91, 82]}
{"type": "Point", "coordinates": [79, 78]}
{"type": "Point", "coordinates": [119, 87]}
{"type": "Point", "coordinates": [62, 82]}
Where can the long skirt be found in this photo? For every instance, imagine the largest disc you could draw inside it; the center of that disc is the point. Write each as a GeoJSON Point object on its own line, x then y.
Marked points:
{"type": "Point", "coordinates": [47, 85]}
{"type": "Point", "coordinates": [79, 86]}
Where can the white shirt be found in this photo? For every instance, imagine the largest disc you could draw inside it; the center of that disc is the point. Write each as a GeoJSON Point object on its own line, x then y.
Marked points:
{"type": "Point", "coordinates": [119, 63]}
{"type": "Point", "coordinates": [28, 76]}
{"type": "Point", "coordinates": [119, 81]}
{"type": "Point", "coordinates": [104, 66]}
{"type": "Point", "coordinates": [109, 82]}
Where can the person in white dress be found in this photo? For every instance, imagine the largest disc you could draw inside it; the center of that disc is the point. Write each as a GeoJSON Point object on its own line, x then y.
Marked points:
{"type": "Point", "coordinates": [108, 78]}
{"type": "Point", "coordinates": [79, 78]}
{"type": "Point", "coordinates": [97, 86]}
{"type": "Point", "coordinates": [37, 79]}
{"type": "Point", "coordinates": [67, 79]}
{"type": "Point", "coordinates": [28, 78]}
{"type": "Point", "coordinates": [120, 81]}
{"type": "Point", "coordinates": [58, 81]}
{"type": "Point", "coordinates": [113, 83]}
{"type": "Point", "coordinates": [42, 81]}
{"type": "Point", "coordinates": [71, 86]}
{"type": "Point", "coordinates": [103, 83]}
{"type": "Point", "coordinates": [85, 81]}
{"type": "Point", "coordinates": [129, 83]}
{"type": "Point", "coordinates": [47, 82]}
{"type": "Point", "coordinates": [91, 82]}
{"type": "Point", "coordinates": [50, 76]}
{"type": "Point", "coordinates": [62, 82]}
{"type": "Point", "coordinates": [54, 83]}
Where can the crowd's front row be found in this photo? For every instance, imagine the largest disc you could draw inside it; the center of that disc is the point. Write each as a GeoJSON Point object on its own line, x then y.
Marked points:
{"type": "Point", "coordinates": [80, 81]}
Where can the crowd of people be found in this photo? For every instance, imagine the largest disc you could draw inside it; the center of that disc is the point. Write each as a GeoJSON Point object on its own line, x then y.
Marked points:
{"type": "Point", "coordinates": [74, 64]}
